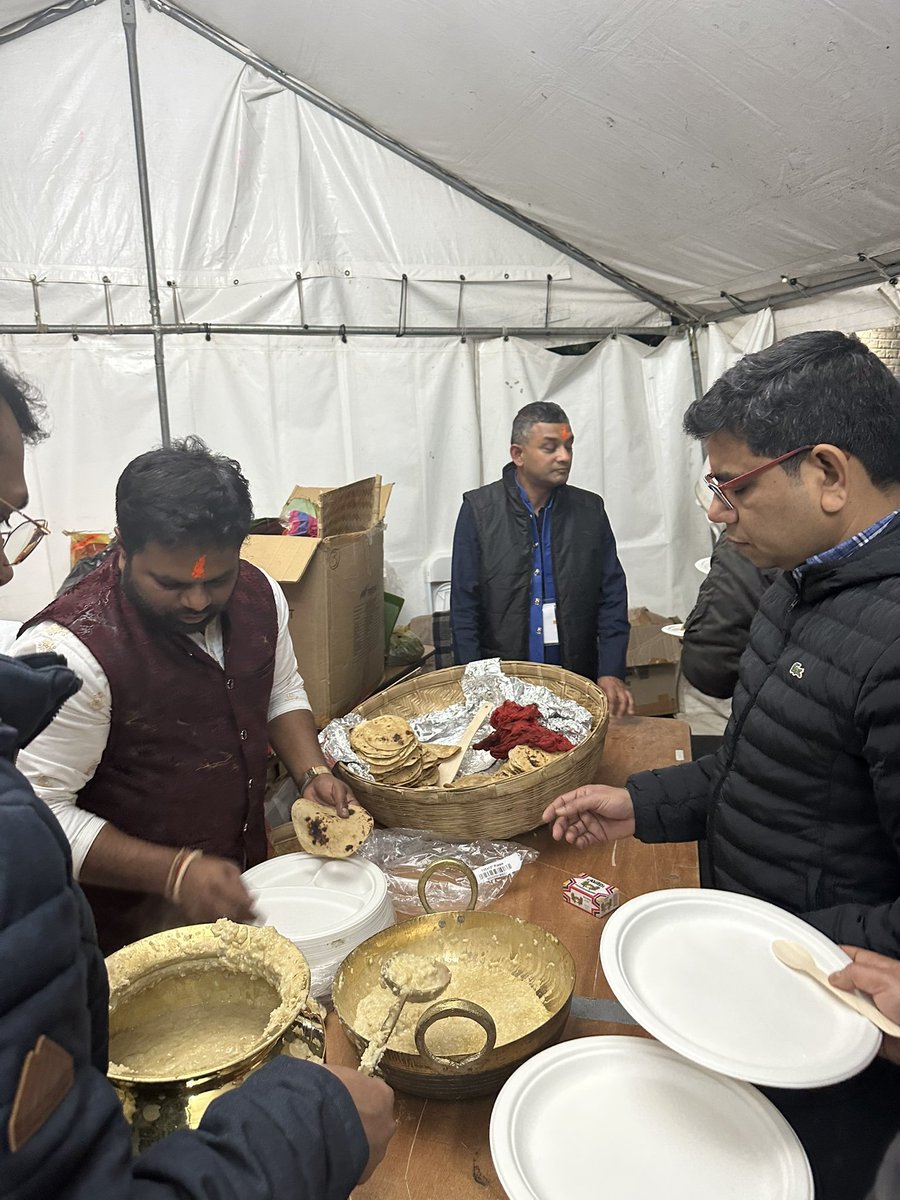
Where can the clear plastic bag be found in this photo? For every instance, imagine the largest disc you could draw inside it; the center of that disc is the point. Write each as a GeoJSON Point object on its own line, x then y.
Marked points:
{"type": "Point", "coordinates": [404, 854]}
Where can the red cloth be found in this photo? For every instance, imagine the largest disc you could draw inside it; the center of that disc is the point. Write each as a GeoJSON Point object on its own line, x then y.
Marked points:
{"type": "Point", "coordinates": [519, 725]}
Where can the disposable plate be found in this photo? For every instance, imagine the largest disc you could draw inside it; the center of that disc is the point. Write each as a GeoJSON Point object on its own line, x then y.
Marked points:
{"type": "Point", "coordinates": [626, 1118]}
{"type": "Point", "coordinates": [695, 968]}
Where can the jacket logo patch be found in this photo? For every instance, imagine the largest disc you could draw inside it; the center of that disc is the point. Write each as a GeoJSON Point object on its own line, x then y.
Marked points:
{"type": "Point", "coordinates": [797, 670]}
{"type": "Point", "coordinates": [48, 1075]}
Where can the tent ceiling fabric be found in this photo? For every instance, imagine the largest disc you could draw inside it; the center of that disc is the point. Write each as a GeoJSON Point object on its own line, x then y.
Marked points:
{"type": "Point", "coordinates": [696, 147]}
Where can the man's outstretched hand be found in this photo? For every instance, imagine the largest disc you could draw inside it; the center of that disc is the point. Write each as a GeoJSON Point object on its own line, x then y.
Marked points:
{"type": "Point", "coordinates": [591, 814]}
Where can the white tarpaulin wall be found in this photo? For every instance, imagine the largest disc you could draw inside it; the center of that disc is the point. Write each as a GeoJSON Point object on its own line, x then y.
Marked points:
{"type": "Point", "coordinates": [433, 416]}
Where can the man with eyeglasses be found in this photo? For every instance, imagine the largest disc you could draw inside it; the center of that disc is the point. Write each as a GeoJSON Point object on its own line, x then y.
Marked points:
{"type": "Point", "coordinates": [801, 806]}
{"type": "Point", "coordinates": [294, 1129]}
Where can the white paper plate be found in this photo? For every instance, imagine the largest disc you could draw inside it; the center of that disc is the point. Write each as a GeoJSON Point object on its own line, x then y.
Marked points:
{"type": "Point", "coordinates": [674, 630]}
{"type": "Point", "coordinates": [702, 565]}
{"type": "Point", "coordinates": [695, 967]}
{"type": "Point", "coordinates": [318, 903]}
{"type": "Point", "coordinates": [307, 914]}
{"type": "Point", "coordinates": [627, 1119]}
{"type": "Point", "coordinates": [352, 875]}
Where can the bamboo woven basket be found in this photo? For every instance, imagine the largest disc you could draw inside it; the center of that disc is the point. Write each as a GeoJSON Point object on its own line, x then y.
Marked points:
{"type": "Point", "coordinates": [497, 810]}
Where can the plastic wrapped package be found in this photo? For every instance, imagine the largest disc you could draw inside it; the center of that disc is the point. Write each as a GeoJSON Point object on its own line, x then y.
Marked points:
{"type": "Point", "coordinates": [404, 854]}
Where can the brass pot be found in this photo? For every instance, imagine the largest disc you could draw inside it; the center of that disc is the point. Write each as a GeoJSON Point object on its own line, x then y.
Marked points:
{"type": "Point", "coordinates": [489, 940]}
{"type": "Point", "coordinates": [194, 1011]}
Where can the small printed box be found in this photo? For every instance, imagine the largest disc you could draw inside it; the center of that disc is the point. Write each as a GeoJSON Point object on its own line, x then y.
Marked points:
{"type": "Point", "coordinates": [594, 896]}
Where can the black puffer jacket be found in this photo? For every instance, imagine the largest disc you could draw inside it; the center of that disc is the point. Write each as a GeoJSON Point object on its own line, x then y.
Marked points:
{"type": "Point", "coordinates": [718, 628]}
{"type": "Point", "coordinates": [802, 804]}
{"type": "Point", "coordinates": [290, 1131]}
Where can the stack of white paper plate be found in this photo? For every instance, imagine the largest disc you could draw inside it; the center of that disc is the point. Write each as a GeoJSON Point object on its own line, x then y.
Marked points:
{"type": "Point", "coordinates": [627, 1118]}
{"type": "Point", "coordinates": [326, 907]}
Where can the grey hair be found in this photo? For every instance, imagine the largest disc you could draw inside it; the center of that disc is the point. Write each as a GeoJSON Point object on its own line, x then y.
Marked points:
{"type": "Point", "coordinates": [540, 412]}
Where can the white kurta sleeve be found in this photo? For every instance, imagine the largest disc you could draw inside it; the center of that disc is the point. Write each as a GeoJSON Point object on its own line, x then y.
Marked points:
{"type": "Point", "coordinates": [61, 759]}
{"type": "Point", "coordinates": [288, 692]}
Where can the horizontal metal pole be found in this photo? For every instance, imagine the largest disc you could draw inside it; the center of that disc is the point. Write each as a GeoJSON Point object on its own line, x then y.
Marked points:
{"type": "Point", "coordinates": [47, 16]}
{"type": "Point", "coordinates": [785, 299]}
{"type": "Point", "coordinates": [675, 310]}
{"type": "Point", "coordinates": [589, 333]}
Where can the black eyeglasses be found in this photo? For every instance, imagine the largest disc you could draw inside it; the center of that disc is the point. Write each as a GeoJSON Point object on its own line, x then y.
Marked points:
{"type": "Point", "coordinates": [25, 536]}
{"type": "Point", "coordinates": [718, 489]}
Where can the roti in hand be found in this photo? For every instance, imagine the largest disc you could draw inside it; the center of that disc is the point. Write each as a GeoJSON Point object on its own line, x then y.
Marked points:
{"type": "Point", "coordinates": [322, 832]}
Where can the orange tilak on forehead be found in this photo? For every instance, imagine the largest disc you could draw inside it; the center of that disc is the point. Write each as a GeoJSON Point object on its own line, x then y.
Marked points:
{"type": "Point", "coordinates": [566, 433]}
{"type": "Point", "coordinates": [199, 568]}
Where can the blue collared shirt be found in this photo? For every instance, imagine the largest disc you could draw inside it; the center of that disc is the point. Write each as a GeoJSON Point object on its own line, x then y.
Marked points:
{"type": "Point", "coordinates": [543, 585]}
{"type": "Point", "coordinates": [844, 549]}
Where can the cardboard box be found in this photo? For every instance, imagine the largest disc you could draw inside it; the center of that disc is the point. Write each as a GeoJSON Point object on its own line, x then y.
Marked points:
{"type": "Point", "coordinates": [334, 586]}
{"type": "Point", "coordinates": [592, 895]}
{"type": "Point", "coordinates": [652, 664]}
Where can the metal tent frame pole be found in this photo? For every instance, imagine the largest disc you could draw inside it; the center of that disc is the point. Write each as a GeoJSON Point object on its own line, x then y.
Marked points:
{"type": "Point", "coordinates": [587, 333]}
{"type": "Point", "coordinates": [677, 311]}
{"type": "Point", "coordinates": [137, 113]}
{"type": "Point", "coordinates": [47, 16]}
{"type": "Point", "coordinates": [871, 274]}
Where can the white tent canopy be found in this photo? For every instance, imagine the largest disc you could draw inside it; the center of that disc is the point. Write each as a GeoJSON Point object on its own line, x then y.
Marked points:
{"type": "Point", "coordinates": [563, 172]}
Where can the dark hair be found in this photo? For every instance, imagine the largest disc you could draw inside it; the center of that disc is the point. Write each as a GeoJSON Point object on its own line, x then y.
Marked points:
{"type": "Point", "coordinates": [24, 403]}
{"type": "Point", "coordinates": [814, 387]}
{"type": "Point", "coordinates": [183, 495]}
{"type": "Point", "coordinates": [541, 412]}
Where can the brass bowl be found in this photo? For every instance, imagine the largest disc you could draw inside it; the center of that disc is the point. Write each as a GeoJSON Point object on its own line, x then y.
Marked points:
{"type": "Point", "coordinates": [490, 939]}
{"type": "Point", "coordinates": [194, 1011]}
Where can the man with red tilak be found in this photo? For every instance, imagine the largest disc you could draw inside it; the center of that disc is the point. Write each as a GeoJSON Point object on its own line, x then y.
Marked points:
{"type": "Point", "coordinates": [156, 768]}
{"type": "Point", "coordinates": [536, 574]}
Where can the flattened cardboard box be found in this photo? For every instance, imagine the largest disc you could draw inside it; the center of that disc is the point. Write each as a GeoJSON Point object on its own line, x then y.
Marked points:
{"type": "Point", "coordinates": [652, 664]}
{"type": "Point", "coordinates": [334, 585]}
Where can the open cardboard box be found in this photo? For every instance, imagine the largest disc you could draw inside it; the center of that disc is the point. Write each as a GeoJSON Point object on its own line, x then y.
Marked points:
{"type": "Point", "coordinates": [652, 664]}
{"type": "Point", "coordinates": [334, 586]}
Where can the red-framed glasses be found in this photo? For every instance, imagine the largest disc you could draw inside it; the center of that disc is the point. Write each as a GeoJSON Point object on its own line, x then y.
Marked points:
{"type": "Point", "coordinates": [718, 489]}
{"type": "Point", "coordinates": [23, 537]}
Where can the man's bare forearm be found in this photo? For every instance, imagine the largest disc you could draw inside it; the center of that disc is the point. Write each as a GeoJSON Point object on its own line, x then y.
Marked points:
{"type": "Point", "coordinates": [295, 740]}
{"type": "Point", "coordinates": [118, 860]}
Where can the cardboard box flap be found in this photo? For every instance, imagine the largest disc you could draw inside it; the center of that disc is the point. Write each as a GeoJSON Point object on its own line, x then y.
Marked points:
{"type": "Point", "coordinates": [386, 490]}
{"type": "Point", "coordinates": [285, 558]}
{"type": "Point", "coordinates": [647, 644]}
{"type": "Point", "coordinates": [353, 508]}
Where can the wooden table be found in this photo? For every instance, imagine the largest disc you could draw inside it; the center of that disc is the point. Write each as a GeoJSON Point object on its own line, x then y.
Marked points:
{"type": "Point", "coordinates": [440, 1150]}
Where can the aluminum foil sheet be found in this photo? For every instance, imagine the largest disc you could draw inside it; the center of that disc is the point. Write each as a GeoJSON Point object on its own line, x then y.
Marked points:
{"type": "Point", "coordinates": [482, 682]}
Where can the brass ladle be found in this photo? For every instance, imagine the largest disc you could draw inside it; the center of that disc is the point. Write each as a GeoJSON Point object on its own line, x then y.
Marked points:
{"type": "Point", "coordinates": [410, 977]}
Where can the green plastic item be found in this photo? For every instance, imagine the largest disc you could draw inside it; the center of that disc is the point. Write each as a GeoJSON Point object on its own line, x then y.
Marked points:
{"type": "Point", "coordinates": [392, 606]}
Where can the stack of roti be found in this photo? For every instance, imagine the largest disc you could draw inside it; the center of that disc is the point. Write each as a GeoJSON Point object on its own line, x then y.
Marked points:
{"type": "Point", "coordinates": [395, 756]}
{"type": "Point", "coordinates": [521, 760]}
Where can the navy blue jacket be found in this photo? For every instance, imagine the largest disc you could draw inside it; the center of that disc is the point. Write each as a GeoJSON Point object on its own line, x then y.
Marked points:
{"type": "Point", "coordinates": [490, 591]}
{"type": "Point", "coordinates": [291, 1131]}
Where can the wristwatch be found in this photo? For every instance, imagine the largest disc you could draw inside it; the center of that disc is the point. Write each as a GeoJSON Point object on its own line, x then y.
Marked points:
{"type": "Point", "coordinates": [308, 776]}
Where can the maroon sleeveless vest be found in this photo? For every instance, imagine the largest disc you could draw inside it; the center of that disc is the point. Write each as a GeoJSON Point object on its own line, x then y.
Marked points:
{"type": "Point", "coordinates": [185, 762]}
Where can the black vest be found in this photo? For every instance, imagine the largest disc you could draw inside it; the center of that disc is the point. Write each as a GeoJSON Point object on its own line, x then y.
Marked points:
{"type": "Point", "coordinates": [578, 524]}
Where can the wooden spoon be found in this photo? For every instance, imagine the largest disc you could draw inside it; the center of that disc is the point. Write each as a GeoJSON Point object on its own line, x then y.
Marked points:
{"type": "Point", "coordinates": [449, 768]}
{"type": "Point", "coordinates": [410, 977]}
{"type": "Point", "coordinates": [792, 954]}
